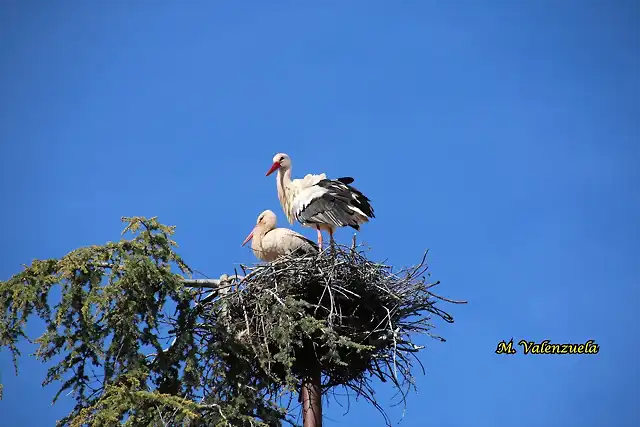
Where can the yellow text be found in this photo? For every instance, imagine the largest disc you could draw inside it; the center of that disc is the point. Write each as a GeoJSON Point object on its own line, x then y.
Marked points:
{"type": "Point", "coordinates": [546, 347]}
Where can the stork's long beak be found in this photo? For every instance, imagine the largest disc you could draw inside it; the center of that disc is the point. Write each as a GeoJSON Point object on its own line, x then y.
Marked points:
{"type": "Point", "coordinates": [249, 237]}
{"type": "Point", "coordinates": [274, 167]}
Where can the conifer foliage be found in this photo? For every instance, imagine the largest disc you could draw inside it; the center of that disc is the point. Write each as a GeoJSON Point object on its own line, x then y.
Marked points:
{"type": "Point", "coordinates": [137, 341]}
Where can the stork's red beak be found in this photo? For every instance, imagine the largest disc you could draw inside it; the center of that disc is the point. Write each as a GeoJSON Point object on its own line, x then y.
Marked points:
{"type": "Point", "coordinates": [274, 167]}
{"type": "Point", "coordinates": [249, 237]}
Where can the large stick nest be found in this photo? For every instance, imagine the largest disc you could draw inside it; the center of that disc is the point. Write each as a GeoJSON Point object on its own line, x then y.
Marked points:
{"type": "Point", "coordinates": [337, 313]}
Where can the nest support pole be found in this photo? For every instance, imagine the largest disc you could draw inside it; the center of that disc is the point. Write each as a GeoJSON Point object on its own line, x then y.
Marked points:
{"type": "Point", "coordinates": [311, 396]}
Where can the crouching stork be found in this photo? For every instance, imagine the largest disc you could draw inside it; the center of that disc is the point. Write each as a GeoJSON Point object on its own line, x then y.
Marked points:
{"type": "Point", "coordinates": [269, 243]}
{"type": "Point", "coordinates": [317, 202]}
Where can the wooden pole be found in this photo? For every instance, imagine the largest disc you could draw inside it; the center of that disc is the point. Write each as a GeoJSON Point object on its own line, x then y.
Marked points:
{"type": "Point", "coordinates": [311, 396]}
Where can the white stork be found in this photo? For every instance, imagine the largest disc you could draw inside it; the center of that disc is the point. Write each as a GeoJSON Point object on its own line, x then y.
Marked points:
{"type": "Point", "coordinates": [318, 202]}
{"type": "Point", "coordinates": [270, 242]}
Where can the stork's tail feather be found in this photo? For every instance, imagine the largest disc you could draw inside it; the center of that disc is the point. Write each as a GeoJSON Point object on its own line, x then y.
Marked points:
{"type": "Point", "coordinates": [345, 180]}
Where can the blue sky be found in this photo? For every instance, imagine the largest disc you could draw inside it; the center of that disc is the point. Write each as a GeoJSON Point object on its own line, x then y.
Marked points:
{"type": "Point", "coordinates": [503, 135]}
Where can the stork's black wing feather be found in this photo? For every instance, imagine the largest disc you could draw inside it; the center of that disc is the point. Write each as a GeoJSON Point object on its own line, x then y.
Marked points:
{"type": "Point", "coordinates": [336, 205]}
{"type": "Point", "coordinates": [345, 192]}
{"type": "Point", "coordinates": [325, 210]}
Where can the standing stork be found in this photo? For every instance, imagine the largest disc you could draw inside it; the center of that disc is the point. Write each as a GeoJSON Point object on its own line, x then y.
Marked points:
{"type": "Point", "coordinates": [318, 202]}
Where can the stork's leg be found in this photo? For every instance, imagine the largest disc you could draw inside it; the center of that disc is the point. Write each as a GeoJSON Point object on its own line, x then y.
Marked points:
{"type": "Point", "coordinates": [319, 237]}
{"type": "Point", "coordinates": [332, 243]}
{"type": "Point", "coordinates": [331, 239]}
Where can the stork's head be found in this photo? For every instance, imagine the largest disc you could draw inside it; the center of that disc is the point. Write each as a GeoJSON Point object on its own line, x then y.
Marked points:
{"type": "Point", "coordinates": [266, 222]}
{"type": "Point", "coordinates": [267, 219]}
{"type": "Point", "coordinates": [280, 160]}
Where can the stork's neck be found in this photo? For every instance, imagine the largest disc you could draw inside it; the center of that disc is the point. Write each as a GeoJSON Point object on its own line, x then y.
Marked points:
{"type": "Point", "coordinates": [284, 179]}
{"type": "Point", "coordinates": [260, 232]}
{"type": "Point", "coordinates": [258, 235]}
{"type": "Point", "coordinates": [285, 192]}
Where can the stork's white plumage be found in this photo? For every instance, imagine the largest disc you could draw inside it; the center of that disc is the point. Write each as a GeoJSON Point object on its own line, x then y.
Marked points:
{"type": "Point", "coordinates": [318, 202]}
{"type": "Point", "coordinates": [269, 243]}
